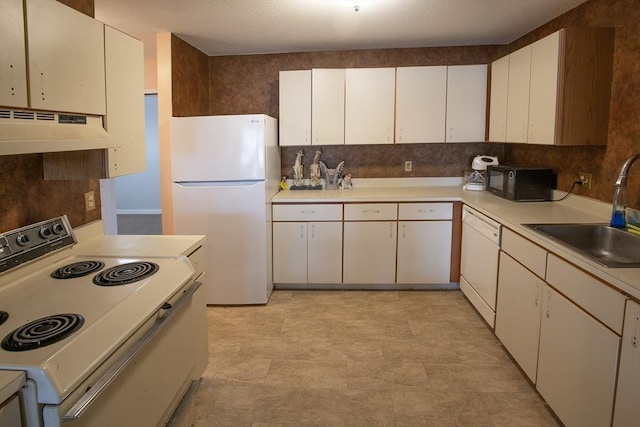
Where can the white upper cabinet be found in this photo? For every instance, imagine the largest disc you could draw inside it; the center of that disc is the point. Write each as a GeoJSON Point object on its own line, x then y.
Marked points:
{"type": "Point", "coordinates": [498, 100]}
{"type": "Point", "coordinates": [370, 105]}
{"type": "Point", "coordinates": [295, 107]}
{"type": "Point", "coordinates": [518, 95]}
{"type": "Point", "coordinates": [13, 65]}
{"type": "Point", "coordinates": [543, 93]}
{"type": "Point", "coordinates": [327, 106]}
{"type": "Point", "coordinates": [124, 59]}
{"type": "Point", "coordinates": [559, 89]}
{"type": "Point", "coordinates": [66, 59]}
{"type": "Point", "coordinates": [466, 103]}
{"type": "Point", "coordinates": [421, 100]}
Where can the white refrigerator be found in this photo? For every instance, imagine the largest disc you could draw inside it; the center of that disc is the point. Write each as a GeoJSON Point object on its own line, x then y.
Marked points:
{"type": "Point", "coordinates": [225, 170]}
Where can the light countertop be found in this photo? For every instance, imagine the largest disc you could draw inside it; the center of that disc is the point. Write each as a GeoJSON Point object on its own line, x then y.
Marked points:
{"type": "Point", "coordinates": [139, 245]}
{"type": "Point", "coordinates": [10, 383]}
{"type": "Point", "coordinates": [574, 209]}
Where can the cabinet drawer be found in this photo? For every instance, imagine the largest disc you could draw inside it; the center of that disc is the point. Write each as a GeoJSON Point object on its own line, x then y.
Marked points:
{"type": "Point", "coordinates": [371, 212]}
{"type": "Point", "coordinates": [525, 252]}
{"type": "Point", "coordinates": [417, 211]}
{"type": "Point", "coordinates": [602, 302]}
{"type": "Point", "coordinates": [307, 212]}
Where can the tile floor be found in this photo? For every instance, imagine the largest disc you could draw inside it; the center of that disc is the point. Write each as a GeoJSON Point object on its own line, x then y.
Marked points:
{"type": "Point", "coordinates": [347, 358]}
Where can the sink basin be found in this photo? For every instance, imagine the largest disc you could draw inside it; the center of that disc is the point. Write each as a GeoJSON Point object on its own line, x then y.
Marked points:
{"type": "Point", "coordinates": [610, 247]}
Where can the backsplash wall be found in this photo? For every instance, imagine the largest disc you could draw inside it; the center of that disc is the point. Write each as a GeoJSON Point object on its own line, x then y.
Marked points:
{"type": "Point", "coordinates": [26, 197]}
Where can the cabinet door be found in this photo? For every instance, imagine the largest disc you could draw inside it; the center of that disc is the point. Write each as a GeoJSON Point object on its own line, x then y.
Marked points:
{"type": "Point", "coordinates": [466, 103]}
{"type": "Point", "coordinates": [124, 59]}
{"type": "Point", "coordinates": [518, 313]}
{"type": "Point", "coordinates": [543, 96]}
{"type": "Point", "coordinates": [370, 252]}
{"type": "Point", "coordinates": [424, 252]}
{"type": "Point", "coordinates": [66, 59]}
{"type": "Point", "coordinates": [290, 252]}
{"type": "Point", "coordinates": [13, 65]}
{"type": "Point", "coordinates": [518, 95]}
{"type": "Point", "coordinates": [295, 107]}
{"type": "Point", "coordinates": [421, 99]}
{"type": "Point", "coordinates": [627, 407]}
{"type": "Point", "coordinates": [577, 363]}
{"type": "Point", "coordinates": [370, 105]}
{"type": "Point", "coordinates": [498, 100]}
{"type": "Point", "coordinates": [324, 252]}
{"type": "Point", "coordinates": [327, 106]}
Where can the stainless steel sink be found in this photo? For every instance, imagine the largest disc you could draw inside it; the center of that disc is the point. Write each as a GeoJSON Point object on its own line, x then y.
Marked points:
{"type": "Point", "coordinates": [610, 247]}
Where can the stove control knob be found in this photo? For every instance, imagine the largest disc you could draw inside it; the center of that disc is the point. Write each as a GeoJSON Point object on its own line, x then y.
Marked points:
{"type": "Point", "coordinates": [45, 232]}
{"type": "Point", "coordinates": [22, 239]}
{"type": "Point", "coordinates": [58, 228]}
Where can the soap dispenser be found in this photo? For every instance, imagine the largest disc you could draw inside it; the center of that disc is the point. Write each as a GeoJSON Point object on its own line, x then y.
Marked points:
{"type": "Point", "coordinates": [617, 213]}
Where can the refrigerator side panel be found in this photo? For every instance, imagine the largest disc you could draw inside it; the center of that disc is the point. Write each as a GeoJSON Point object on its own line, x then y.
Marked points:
{"type": "Point", "coordinates": [218, 148]}
{"type": "Point", "coordinates": [272, 186]}
{"type": "Point", "coordinates": [233, 218]}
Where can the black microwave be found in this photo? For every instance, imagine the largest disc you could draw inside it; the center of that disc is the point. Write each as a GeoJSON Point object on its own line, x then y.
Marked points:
{"type": "Point", "coordinates": [521, 184]}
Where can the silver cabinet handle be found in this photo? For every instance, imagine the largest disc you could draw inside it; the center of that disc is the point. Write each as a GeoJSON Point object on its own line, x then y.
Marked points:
{"type": "Point", "coordinates": [125, 360]}
{"type": "Point", "coordinates": [308, 212]}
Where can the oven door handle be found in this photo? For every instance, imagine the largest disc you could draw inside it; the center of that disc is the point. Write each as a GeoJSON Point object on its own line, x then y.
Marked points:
{"type": "Point", "coordinates": [112, 374]}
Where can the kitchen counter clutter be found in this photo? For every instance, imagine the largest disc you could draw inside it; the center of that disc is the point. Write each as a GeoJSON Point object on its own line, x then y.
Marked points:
{"type": "Point", "coordinates": [513, 215]}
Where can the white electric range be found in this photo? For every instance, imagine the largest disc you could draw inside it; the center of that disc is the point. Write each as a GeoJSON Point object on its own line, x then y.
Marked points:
{"type": "Point", "coordinates": [95, 333]}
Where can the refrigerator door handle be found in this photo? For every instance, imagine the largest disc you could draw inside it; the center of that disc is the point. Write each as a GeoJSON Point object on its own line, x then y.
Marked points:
{"type": "Point", "coordinates": [247, 183]}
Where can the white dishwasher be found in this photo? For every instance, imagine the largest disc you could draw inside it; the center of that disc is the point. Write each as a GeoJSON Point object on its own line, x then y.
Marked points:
{"type": "Point", "coordinates": [479, 263]}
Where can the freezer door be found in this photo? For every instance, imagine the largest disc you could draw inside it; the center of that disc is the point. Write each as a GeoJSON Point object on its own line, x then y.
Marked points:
{"type": "Point", "coordinates": [218, 148]}
{"type": "Point", "coordinates": [233, 217]}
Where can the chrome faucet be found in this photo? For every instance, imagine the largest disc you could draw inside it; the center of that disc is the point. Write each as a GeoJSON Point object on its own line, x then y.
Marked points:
{"type": "Point", "coordinates": [619, 197]}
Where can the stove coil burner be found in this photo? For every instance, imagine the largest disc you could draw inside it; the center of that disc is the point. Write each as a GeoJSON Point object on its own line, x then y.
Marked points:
{"type": "Point", "coordinates": [125, 273]}
{"type": "Point", "coordinates": [77, 269]}
{"type": "Point", "coordinates": [3, 316]}
{"type": "Point", "coordinates": [42, 332]}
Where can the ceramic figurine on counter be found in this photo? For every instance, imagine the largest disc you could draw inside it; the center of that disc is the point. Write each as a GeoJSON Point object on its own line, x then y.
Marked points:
{"type": "Point", "coordinates": [298, 172]}
{"type": "Point", "coordinates": [332, 176]}
{"type": "Point", "coordinates": [314, 173]}
{"type": "Point", "coordinates": [346, 182]}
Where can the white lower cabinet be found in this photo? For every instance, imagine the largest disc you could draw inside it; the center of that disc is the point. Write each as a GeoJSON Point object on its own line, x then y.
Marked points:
{"type": "Point", "coordinates": [626, 412]}
{"type": "Point", "coordinates": [370, 252]}
{"type": "Point", "coordinates": [424, 242]}
{"type": "Point", "coordinates": [307, 252]}
{"type": "Point", "coordinates": [577, 363]}
{"type": "Point", "coordinates": [424, 252]}
{"type": "Point", "coordinates": [518, 313]}
{"type": "Point", "coordinates": [307, 244]}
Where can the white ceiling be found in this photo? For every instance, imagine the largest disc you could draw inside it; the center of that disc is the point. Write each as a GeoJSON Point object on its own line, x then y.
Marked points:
{"type": "Point", "coordinates": [235, 27]}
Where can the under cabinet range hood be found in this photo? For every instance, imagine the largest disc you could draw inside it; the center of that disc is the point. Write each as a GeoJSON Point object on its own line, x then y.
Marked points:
{"type": "Point", "coordinates": [29, 131]}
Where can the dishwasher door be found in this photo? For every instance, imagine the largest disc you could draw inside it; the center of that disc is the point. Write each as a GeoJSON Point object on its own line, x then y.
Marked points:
{"type": "Point", "coordinates": [479, 263]}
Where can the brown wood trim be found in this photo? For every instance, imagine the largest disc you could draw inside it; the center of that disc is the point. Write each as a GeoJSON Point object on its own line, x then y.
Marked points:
{"type": "Point", "coordinates": [456, 242]}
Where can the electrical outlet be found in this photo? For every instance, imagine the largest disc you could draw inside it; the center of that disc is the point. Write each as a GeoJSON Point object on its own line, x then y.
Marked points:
{"type": "Point", "coordinates": [408, 166]}
{"type": "Point", "coordinates": [586, 180]}
{"type": "Point", "coordinates": [89, 201]}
